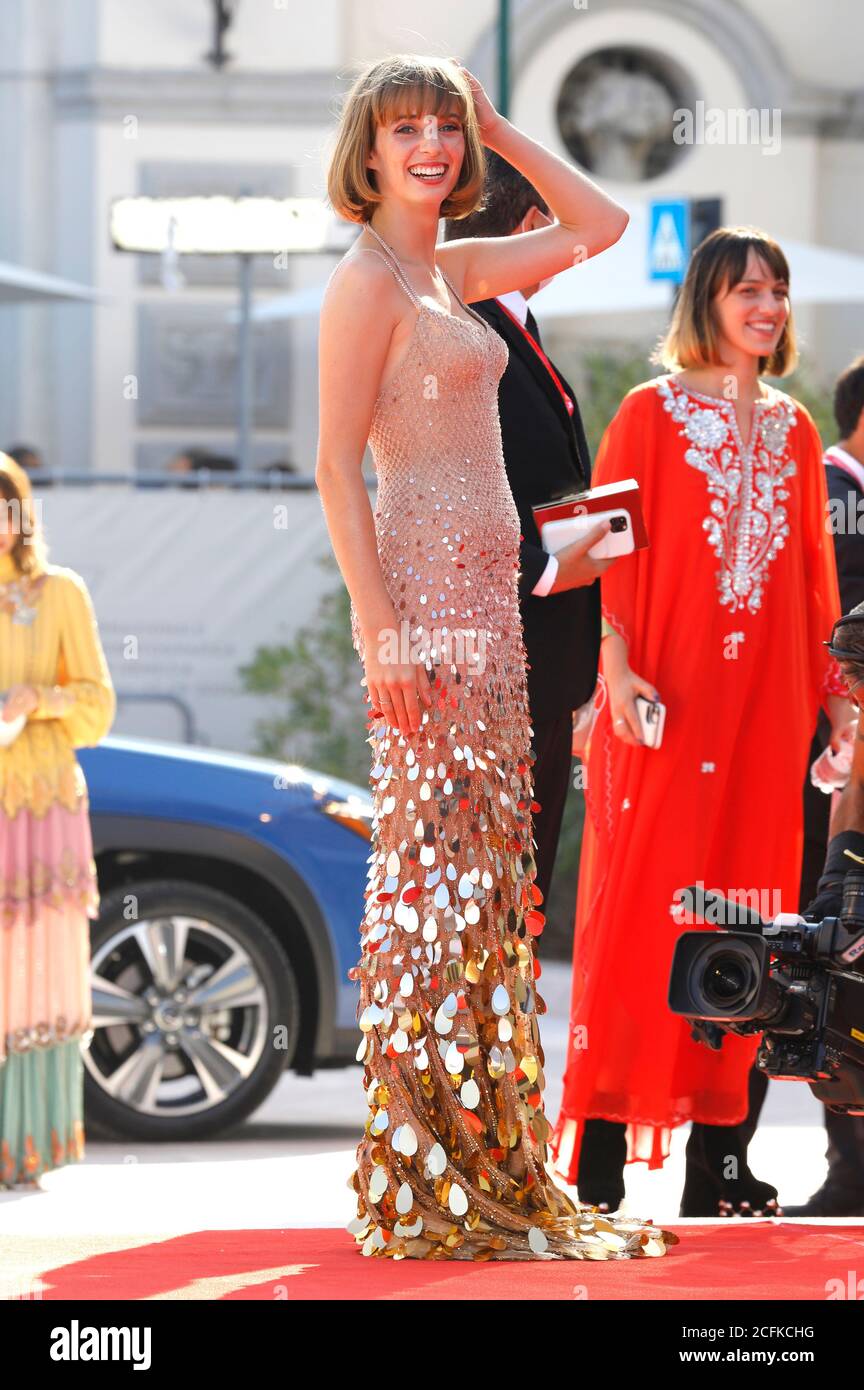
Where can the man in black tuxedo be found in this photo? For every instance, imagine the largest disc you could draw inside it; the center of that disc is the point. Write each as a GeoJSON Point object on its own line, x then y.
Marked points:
{"type": "Point", "coordinates": [546, 455]}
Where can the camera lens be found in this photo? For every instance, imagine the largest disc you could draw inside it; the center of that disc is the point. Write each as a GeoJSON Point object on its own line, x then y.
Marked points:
{"type": "Point", "coordinates": [726, 980]}
{"type": "Point", "coordinates": [618, 523]}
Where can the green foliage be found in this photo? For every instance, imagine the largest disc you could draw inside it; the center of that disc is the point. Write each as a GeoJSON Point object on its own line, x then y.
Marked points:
{"type": "Point", "coordinates": [320, 714]}
{"type": "Point", "coordinates": [816, 396]}
{"type": "Point", "coordinates": [604, 380]}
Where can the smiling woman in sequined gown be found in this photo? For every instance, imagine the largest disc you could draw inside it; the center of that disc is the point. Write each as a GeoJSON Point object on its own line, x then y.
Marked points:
{"type": "Point", "coordinates": [452, 1161]}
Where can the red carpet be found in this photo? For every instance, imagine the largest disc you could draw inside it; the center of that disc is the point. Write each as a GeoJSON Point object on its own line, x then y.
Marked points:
{"type": "Point", "coordinates": [748, 1260]}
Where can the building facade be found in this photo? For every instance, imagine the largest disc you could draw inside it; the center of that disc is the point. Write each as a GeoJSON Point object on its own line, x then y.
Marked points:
{"type": "Point", "coordinates": [101, 99]}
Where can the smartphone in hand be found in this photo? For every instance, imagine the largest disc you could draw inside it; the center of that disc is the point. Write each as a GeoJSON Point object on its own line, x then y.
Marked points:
{"type": "Point", "coordinates": [652, 719]}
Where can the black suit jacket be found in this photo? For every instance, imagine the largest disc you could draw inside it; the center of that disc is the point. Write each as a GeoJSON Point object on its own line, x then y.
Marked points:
{"type": "Point", "coordinates": [546, 456]}
{"type": "Point", "coordinates": [848, 547]}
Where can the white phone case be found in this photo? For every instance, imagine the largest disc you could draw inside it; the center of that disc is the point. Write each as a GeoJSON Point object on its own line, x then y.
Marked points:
{"type": "Point", "coordinates": [652, 718]}
{"type": "Point", "coordinates": [618, 541]}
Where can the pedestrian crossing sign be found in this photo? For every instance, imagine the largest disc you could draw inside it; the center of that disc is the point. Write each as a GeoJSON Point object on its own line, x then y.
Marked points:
{"type": "Point", "coordinates": [668, 239]}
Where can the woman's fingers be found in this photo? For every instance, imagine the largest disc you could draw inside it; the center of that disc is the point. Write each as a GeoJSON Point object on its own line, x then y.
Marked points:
{"type": "Point", "coordinates": [401, 700]}
{"type": "Point", "coordinates": [621, 724]}
{"type": "Point", "coordinates": [634, 724]}
{"type": "Point", "coordinates": [394, 708]}
{"type": "Point", "coordinates": [646, 688]}
{"type": "Point", "coordinates": [411, 705]}
{"type": "Point", "coordinates": [424, 686]}
{"type": "Point", "coordinates": [626, 730]}
{"type": "Point", "coordinates": [403, 694]}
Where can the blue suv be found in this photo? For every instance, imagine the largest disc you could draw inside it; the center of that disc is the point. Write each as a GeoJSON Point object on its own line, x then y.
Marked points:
{"type": "Point", "coordinates": [231, 898]}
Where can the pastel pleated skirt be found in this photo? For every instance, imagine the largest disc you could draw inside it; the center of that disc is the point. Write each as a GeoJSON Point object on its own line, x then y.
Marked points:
{"type": "Point", "coordinates": [48, 894]}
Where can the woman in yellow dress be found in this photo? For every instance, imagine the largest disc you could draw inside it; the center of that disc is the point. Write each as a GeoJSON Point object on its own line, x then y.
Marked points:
{"type": "Point", "coordinates": [56, 695]}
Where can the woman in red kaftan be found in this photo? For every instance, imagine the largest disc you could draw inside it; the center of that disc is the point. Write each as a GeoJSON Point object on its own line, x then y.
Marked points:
{"type": "Point", "coordinates": [724, 616]}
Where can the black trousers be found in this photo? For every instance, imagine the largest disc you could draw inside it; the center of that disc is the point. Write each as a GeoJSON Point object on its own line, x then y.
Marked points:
{"type": "Point", "coordinates": [552, 741]}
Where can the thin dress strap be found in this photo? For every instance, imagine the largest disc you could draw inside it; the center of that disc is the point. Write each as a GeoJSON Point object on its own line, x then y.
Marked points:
{"type": "Point", "coordinates": [396, 271]}
{"type": "Point", "coordinates": [466, 307]}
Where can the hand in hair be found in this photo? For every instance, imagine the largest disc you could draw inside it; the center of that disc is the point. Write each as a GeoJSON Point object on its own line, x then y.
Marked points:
{"type": "Point", "coordinates": [487, 117]}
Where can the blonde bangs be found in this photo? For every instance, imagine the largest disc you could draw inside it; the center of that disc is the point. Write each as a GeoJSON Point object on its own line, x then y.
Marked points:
{"type": "Point", "coordinates": [397, 86]}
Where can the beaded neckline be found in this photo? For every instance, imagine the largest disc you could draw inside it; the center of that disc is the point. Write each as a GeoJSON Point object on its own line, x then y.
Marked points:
{"type": "Point", "coordinates": [769, 402]}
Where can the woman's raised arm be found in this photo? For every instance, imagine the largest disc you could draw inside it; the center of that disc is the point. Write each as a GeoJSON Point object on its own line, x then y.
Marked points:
{"type": "Point", "coordinates": [588, 220]}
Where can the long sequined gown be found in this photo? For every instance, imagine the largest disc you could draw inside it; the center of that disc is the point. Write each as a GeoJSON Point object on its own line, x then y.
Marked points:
{"type": "Point", "coordinates": [452, 1161]}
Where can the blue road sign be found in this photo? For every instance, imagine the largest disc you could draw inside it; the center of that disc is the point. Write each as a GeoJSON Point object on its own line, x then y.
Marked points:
{"type": "Point", "coordinates": [668, 238]}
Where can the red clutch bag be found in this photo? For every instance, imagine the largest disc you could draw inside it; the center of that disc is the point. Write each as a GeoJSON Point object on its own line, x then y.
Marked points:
{"type": "Point", "coordinates": [623, 496]}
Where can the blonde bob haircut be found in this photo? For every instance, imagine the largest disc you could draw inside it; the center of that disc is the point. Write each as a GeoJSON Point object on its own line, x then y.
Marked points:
{"type": "Point", "coordinates": [406, 83]}
{"type": "Point", "coordinates": [716, 266]}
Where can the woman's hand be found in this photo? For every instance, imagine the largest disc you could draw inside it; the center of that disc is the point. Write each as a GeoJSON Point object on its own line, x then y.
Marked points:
{"type": "Point", "coordinates": [623, 686]}
{"type": "Point", "coordinates": [488, 119]}
{"type": "Point", "coordinates": [397, 691]}
{"type": "Point", "coordinates": [20, 699]}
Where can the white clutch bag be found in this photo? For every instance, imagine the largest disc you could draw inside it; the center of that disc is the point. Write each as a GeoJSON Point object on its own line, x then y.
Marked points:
{"type": "Point", "coordinates": [10, 729]}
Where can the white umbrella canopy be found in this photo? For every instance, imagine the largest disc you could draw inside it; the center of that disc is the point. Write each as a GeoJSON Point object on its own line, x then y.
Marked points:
{"type": "Point", "coordinates": [617, 282]}
{"type": "Point", "coordinates": [19, 285]}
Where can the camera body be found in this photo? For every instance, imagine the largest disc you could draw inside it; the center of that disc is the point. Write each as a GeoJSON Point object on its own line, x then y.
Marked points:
{"type": "Point", "coordinates": [798, 983]}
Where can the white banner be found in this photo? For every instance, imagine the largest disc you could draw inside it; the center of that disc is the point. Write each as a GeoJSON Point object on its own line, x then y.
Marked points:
{"type": "Point", "coordinates": [186, 585]}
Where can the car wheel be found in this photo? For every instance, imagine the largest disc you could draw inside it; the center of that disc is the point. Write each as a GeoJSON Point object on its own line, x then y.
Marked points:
{"type": "Point", "coordinates": [196, 1012]}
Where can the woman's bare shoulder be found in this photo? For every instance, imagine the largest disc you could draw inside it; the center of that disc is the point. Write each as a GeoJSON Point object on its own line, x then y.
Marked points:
{"type": "Point", "coordinates": [360, 279]}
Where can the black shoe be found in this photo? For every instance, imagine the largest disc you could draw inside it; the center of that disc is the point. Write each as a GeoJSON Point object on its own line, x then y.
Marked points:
{"type": "Point", "coordinates": [747, 1197]}
{"type": "Point", "coordinates": [602, 1156]}
{"type": "Point", "coordinates": [832, 1199]}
